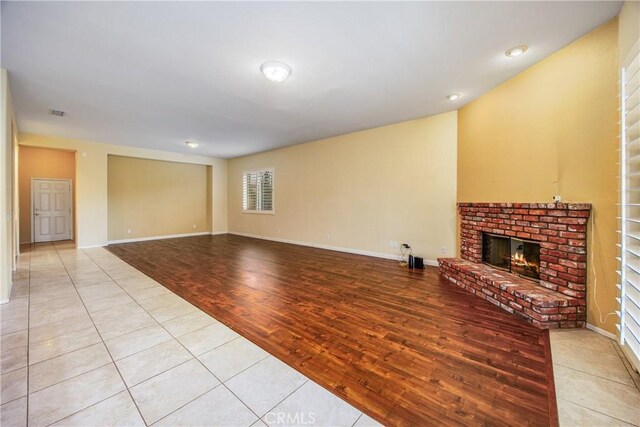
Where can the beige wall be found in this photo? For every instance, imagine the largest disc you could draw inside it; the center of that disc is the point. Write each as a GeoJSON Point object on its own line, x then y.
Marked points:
{"type": "Point", "coordinates": [8, 188]}
{"type": "Point", "coordinates": [91, 182]}
{"type": "Point", "coordinates": [361, 190]}
{"type": "Point", "coordinates": [148, 198]}
{"type": "Point", "coordinates": [40, 163]}
{"type": "Point", "coordinates": [629, 28]}
{"type": "Point", "coordinates": [553, 129]}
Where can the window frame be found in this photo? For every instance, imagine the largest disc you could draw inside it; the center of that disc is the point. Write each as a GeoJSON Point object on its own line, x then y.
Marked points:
{"type": "Point", "coordinates": [273, 191]}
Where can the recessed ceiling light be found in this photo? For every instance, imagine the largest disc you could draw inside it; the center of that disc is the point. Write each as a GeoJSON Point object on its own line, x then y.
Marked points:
{"type": "Point", "coordinates": [516, 51]}
{"type": "Point", "coordinates": [56, 113]}
{"type": "Point", "coordinates": [275, 71]}
{"type": "Point", "coordinates": [453, 96]}
{"type": "Point", "coordinates": [192, 144]}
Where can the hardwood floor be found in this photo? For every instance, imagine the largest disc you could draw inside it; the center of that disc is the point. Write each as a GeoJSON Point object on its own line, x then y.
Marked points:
{"type": "Point", "coordinates": [403, 346]}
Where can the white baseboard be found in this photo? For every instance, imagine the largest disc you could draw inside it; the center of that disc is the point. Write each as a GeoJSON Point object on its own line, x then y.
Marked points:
{"type": "Point", "coordinates": [168, 236]}
{"type": "Point", "coordinates": [91, 246]}
{"type": "Point", "coordinates": [4, 301]}
{"type": "Point", "coordinates": [430, 262]}
{"type": "Point", "coordinates": [217, 233]}
{"type": "Point", "coordinates": [601, 331]}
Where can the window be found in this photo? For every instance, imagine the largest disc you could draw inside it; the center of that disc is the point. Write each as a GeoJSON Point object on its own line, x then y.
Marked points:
{"type": "Point", "coordinates": [257, 191]}
{"type": "Point", "coordinates": [629, 285]}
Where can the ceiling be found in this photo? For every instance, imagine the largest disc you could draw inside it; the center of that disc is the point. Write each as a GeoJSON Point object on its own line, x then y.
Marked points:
{"type": "Point", "coordinates": [155, 74]}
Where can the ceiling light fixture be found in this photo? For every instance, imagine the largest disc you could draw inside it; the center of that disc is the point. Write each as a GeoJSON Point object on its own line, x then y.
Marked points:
{"type": "Point", "coordinates": [56, 113]}
{"type": "Point", "coordinates": [516, 51]}
{"type": "Point", "coordinates": [275, 71]}
{"type": "Point", "coordinates": [192, 144]}
{"type": "Point", "coordinates": [453, 96]}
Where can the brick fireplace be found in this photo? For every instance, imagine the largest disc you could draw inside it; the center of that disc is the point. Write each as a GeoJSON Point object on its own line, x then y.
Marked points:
{"type": "Point", "coordinates": [558, 298]}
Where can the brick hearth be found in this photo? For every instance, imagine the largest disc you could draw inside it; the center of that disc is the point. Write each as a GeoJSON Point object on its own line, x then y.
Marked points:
{"type": "Point", "coordinates": [559, 299]}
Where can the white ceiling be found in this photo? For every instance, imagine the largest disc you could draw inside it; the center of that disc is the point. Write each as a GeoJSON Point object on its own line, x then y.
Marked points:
{"type": "Point", "coordinates": [154, 74]}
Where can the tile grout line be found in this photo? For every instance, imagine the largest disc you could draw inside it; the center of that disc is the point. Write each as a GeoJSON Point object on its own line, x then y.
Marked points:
{"type": "Point", "coordinates": [593, 410]}
{"type": "Point", "coordinates": [285, 398]}
{"type": "Point", "coordinates": [596, 376]}
{"type": "Point", "coordinates": [103, 343]}
{"type": "Point", "coordinates": [357, 419]}
{"type": "Point", "coordinates": [635, 378]}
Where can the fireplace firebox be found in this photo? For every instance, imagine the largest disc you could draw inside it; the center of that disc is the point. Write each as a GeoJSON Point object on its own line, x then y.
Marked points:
{"type": "Point", "coordinates": [518, 256]}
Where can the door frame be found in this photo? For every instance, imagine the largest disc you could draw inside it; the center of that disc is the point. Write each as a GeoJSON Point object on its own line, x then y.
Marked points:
{"type": "Point", "coordinates": [70, 181]}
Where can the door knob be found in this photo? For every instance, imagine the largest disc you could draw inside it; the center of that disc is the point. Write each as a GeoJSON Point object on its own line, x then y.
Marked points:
{"type": "Point", "coordinates": [37, 214]}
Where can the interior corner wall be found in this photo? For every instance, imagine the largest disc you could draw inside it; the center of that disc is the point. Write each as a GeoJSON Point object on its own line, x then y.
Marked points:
{"type": "Point", "coordinates": [41, 163]}
{"type": "Point", "coordinates": [8, 243]}
{"type": "Point", "coordinates": [150, 198]}
{"type": "Point", "coordinates": [360, 191]}
{"type": "Point", "coordinates": [553, 130]}
{"type": "Point", "coordinates": [91, 181]}
{"type": "Point", "coordinates": [628, 28]}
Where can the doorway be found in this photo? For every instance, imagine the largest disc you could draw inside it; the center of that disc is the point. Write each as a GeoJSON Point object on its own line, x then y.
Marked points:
{"type": "Point", "coordinates": [56, 167]}
{"type": "Point", "coordinates": [51, 209]}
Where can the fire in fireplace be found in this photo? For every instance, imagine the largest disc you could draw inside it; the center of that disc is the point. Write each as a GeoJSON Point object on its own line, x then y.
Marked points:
{"type": "Point", "coordinates": [521, 257]}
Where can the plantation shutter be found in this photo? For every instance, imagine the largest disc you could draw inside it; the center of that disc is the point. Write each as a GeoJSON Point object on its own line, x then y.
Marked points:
{"type": "Point", "coordinates": [257, 190]}
{"type": "Point", "coordinates": [629, 299]}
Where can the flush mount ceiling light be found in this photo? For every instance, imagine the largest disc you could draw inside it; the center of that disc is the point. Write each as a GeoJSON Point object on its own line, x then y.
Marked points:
{"type": "Point", "coordinates": [192, 144]}
{"type": "Point", "coordinates": [56, 113]}
{"type": "Point", "coordinates": [516, 51]}
{"type": "Point", "coordinates": [275, 71]}
{"type": "Point", "coordinates": [453, 96]}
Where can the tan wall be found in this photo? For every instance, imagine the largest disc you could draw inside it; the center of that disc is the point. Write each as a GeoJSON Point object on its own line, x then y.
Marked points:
{"type": "Point", "coordinates": [149, 198]}
{"type": "Point", "coordinates": [629, 28]}
{"type": "Point", "coordinates": [553, 130]}
{"type": "Point", "coordinates": [8, 188]}
{"type": "Point", "coordinates": [91, 182]}
{"type": "Point", "coordinates": [361, 190]}
{"type": "Point", "coordinates": [40, 163]}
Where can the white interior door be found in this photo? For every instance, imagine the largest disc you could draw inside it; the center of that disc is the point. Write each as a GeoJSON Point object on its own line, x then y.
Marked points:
{"type": "Point", "coordinates": [51, 210]}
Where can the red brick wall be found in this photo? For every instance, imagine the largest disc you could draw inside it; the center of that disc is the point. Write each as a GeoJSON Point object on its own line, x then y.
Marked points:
{"type": "Point", "coordinates": [561, 229]}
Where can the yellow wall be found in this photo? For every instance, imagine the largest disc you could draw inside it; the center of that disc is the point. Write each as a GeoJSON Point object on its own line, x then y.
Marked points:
{"type": "Point", "coordinates": [629, 28]}
{"type": "Point", "coordinates": [149, 198]}
{"type": "Point", "coordinates": [360, 191]}
{"type": "Point", "coordinates": [553, 129]}
{"type": "Point", "coordinates": [8, 188]}
{"type": "Point", "coordinates": [91, 182]}
{"type": "Point", "coordinates": [40, 163]}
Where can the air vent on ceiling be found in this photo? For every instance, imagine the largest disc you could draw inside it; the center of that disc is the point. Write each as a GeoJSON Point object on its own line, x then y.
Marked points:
{"type": "Point", "coordinates": [56, 113]}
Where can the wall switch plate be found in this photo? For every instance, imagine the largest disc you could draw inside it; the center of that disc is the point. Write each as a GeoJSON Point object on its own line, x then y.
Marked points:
{"type": "Point", "coordinates": [442, 249]}
{"type": "Point", "coordinates": [129, 231]}
{"type": "Point", "coordinates": [194, 226]}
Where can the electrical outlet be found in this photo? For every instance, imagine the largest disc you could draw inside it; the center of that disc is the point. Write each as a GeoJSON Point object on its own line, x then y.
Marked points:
{"type": "Point", "coordinates": [393, 244]}
{"type": "Point", "coordinates": [442, 249]}
{"type": "Point", "coordinates": [328, 236]}
{"type": "Point", "coordinates": [194, 226]}
{"type": "Point", "coordinates": [129, 231]}
{"type": "Point", "coordinates": [557, 198]}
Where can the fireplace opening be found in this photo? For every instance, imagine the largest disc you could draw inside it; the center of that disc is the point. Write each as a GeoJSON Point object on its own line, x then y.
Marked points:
{"type": "Point", "coordinates": [518, 256]}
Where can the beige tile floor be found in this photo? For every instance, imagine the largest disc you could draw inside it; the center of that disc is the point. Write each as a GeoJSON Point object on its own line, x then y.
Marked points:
{"type": "Point", "coordinates": [88, 340]}
{"type": "Point", "coordinates": [595, 385]}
